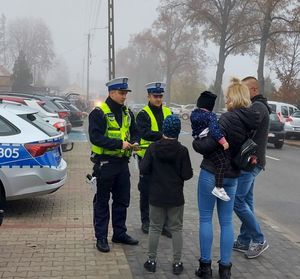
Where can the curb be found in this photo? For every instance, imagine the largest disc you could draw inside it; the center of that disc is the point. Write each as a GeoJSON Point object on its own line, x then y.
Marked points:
{"type": "Point", "coordinates": [292, 143]}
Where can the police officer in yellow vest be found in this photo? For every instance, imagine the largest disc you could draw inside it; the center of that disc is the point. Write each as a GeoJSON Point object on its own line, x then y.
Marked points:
{"type": "Point", "coordinates": [149, 121]}
{"type": "Point", "coordinates": [112, 132]}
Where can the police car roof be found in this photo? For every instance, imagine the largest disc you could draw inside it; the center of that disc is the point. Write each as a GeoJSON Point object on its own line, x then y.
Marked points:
{"type": "Point", "coordinates": [18, 109]}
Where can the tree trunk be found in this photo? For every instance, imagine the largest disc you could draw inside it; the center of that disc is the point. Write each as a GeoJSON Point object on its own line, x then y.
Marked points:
{"type": "Point", "coordinates": [167, 96]}
{"type": "Point", "coordinates": [219, 75]}
{"type": "Point", "coordinates": [262, 51]}
{"type": "Point", "coordinates": [261, 63]}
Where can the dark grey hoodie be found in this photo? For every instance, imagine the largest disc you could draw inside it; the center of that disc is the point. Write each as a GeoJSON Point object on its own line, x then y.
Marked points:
{"type": "Point", "coordinates": [259, 103]}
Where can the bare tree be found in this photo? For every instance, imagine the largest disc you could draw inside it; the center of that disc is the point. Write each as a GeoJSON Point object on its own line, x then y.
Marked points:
{"type": "Point", "coordinates": [58, 76]}
{"type": "Point", "coordinates": [139, 62]}
{"type": "Point", "coordinates": [33, 37]}
{"type": "Point", "coordinates": [170, 48]}
{"type": "Point", "coordinates": [273, 19]}
{"type": "Point", "coordinates": [177, 43]}
{"type": "Point", "coordinates": [286, 64]}
{"type": "Point", "coordinates": [226, 23]}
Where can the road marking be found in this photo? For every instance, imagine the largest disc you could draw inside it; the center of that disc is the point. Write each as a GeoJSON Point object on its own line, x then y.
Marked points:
{"type": "Point", "coordinates": [276, 159]}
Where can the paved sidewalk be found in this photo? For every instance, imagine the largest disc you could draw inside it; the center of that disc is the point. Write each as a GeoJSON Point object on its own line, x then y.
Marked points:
{"type": "Point", "coordinates": [52, 237]}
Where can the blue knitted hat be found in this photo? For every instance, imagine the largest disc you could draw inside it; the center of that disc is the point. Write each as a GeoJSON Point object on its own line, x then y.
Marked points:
{"type": "Point", "coordinates": [171, 126]}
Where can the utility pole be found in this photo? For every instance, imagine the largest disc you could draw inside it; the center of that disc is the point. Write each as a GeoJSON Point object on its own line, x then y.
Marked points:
{"type": "Point", "coordinates": [111, 40]}
{"type": "Point", "coordinates": [88, 69]}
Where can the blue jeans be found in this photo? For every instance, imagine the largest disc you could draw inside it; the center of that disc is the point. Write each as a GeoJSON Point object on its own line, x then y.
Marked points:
{"type": "Point", "coordinates": [244, 208]}
{"type": "Point", "coordinates": [206, 204]}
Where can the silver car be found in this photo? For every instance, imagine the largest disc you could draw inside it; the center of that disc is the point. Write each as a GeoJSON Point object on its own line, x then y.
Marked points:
{"type": "Point", "coordinates": [31, 161]}
{"type": "Point", "coordinates": [292, 125]}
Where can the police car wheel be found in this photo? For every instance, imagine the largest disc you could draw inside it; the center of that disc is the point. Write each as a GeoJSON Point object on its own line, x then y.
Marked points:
{"type": "Point", "coordinates": [2, 197]}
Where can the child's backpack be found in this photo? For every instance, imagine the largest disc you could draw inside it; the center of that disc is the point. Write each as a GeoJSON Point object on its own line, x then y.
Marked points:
{"type": "Point", "coordinates": [246, 157]}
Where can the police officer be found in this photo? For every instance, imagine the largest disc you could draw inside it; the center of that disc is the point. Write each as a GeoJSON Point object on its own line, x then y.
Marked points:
{"type": "Point", "coordinates": [149, 121]}
{"type": "Point", "coordinates": [112, 131]}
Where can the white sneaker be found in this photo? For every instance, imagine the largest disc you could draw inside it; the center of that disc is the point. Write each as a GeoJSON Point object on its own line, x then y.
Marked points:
{"type": "Point", "coordinates": [220, 193]}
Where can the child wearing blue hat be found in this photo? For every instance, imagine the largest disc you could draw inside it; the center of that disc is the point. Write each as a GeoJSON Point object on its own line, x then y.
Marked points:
{"type": "Point", "coordinates": [204, 120]}
{"type": "Point", "coordinates": [168, 165]}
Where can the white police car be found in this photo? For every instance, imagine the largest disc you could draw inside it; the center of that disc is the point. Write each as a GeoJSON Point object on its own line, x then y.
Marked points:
{"type": "Point", "coordinates": [31, 163]}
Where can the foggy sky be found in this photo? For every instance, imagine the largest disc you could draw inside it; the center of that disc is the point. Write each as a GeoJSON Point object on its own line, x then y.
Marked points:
{"type": "Point", "coordinates": [70, 21]}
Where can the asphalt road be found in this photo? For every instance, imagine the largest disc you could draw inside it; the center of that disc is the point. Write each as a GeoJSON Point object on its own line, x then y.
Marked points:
{"type": "Point", "coordinates": [277, 190]}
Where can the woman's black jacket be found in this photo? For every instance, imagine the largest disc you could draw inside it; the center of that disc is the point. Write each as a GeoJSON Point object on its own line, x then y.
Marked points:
{"type": "Point", "coordinates": [237, 126]}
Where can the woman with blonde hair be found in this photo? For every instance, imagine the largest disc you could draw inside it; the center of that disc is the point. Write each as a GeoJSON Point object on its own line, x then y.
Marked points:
{"type": "Point", "coordinates": [236, 124]}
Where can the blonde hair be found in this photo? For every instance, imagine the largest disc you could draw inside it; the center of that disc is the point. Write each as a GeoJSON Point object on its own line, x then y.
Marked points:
{"type": "Point", "coordinates": [237, 95]}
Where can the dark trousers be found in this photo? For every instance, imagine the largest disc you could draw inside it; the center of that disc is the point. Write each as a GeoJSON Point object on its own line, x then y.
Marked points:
{"type": "Point", "coordinates": [112, 178]}
{"type": "Point", "coordinates": [143, 187]}
{"type": "Point", "coordinates": [220, 161]}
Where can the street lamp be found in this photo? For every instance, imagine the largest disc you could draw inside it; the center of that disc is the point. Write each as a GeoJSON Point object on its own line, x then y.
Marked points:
{"type": "Point", "coordinates": [89, 61]}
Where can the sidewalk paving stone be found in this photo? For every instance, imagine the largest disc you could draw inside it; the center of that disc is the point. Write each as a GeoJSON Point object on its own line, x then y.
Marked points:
{"type": "Point", "coordinates": [52, 237]}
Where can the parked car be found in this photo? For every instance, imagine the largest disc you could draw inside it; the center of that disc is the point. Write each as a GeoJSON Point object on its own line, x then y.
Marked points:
{"type": "Point", "coordinates": [76, 116]}
{"type": "Point", "coordinates": [283, 110]}
{"type": "Point", "coordinates": [186, 111]}
{"type": "Point", "coordinates": [45, 104]}
{"type": "Point", "coordinates": [135, 108]}
{"type": "Point", "coordinates": [51, 118]}
{"type": "Point", "coordinates": [176, 108]}
{"type": "Point", "coordinates": [276, 134]}
{"type": "Point", "coordinates": [31, 160]}
{"type": "Point", "coordinates": [292, 125]}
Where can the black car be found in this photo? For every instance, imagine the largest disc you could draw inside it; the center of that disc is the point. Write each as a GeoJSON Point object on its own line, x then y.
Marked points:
{"type": "Point", "coordinates": [276, 134]}
{"type": "Point", "coordinates": [76, 115]}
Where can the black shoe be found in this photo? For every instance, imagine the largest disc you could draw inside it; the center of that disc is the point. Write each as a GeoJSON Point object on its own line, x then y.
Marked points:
{"type": "Point", "coordinates": [102, 245]}
{"type": "Point", "coordinates": [150, 266]}
{"type": "Point", "coordinates": [204, 271]}
{"type": "Point", "coordinates": [224, 271]}
{"type": "Point", "coordinates": [125, 239]}
{"type": "Point", "coordinates": [145, 228]}
{"type": "Point", "coordinates": [166, 232]}
{"type": "Point", "coordinates": [177, 268]}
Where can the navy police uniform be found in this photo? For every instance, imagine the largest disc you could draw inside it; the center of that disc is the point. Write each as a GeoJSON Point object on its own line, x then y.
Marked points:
{"type": "Point", "coordinates": [149, 122]}
{"type": "Point", "coordinates": [111, 165]}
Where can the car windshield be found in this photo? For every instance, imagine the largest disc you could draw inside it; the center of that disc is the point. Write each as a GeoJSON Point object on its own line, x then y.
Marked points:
{"type": "Point", "coordinates": [40, 123]}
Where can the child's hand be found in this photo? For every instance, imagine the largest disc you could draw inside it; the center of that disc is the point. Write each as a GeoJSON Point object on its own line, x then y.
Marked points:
{"type": "Point", "coordinates": [253, 160]}
{"type": "Point", "coordinates": [225, 145]}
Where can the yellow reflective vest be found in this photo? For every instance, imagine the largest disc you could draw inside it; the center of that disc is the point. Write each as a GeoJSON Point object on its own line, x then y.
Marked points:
{"type": "Point", "coordinates": [144, 144]}
{"type": "Point", "coordinates": [114, 131]}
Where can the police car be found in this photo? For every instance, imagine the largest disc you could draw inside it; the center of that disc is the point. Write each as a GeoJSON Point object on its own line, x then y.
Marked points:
{"type": "Point", "coordinates": [31, 163]}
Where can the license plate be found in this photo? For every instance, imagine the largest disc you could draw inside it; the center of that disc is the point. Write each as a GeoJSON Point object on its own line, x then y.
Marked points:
{"type": "Point", "coordinates": [271, 135]}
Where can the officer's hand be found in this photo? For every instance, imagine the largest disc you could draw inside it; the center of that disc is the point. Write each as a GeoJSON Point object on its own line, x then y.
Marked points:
{"type": "Point", "coordinates": [126, 145]}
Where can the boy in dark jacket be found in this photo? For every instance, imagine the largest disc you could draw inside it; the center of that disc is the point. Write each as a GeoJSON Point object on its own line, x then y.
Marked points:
{"type": "Point", "coordinates": [168, 164]}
